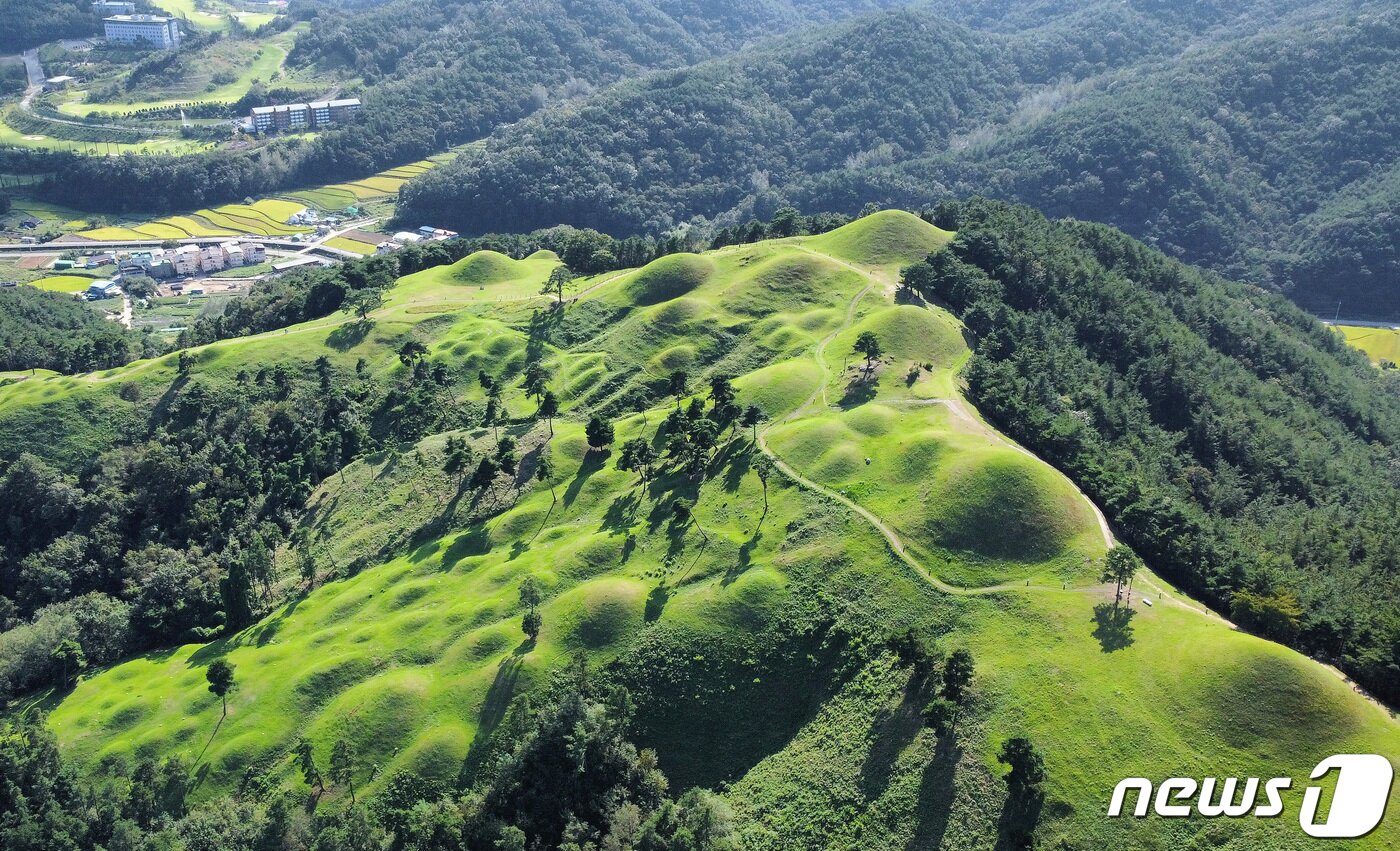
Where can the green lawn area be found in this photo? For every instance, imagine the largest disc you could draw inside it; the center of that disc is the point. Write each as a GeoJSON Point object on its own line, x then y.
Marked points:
{"type": "Point", "coordinates": [245, 271]}
{"type": "Point", "coordinates": [12, 137]}
{"type": "Point", "coordinates": [214, 20]}
{"type": "Point", "coordinates": [251, 61]}
{"type": "Point", "coordinates": [416, 653]}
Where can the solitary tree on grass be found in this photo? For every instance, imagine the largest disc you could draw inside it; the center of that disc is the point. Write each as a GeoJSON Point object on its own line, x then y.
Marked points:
{"type": "Point", "coordinates": [558, 279]}
{"type": "Point", "coordinates": [530, 598]}
{"type": "Point", "coordinates": [549, 409]}
{"type": "Point", "coordinates": [638, 456]}
{"type": "Point", "coordinates": [753, 416]}
{"type": "Point", "coordinates": [505, 454]}
{"type": "Point", "coordinates": [343, 766]}
{"type": "Point", "coordinates": [599, 432]}
{"type": "Point", "coordinates": [457, 459]}
{"type": "Point", "coordinates": [364, 302]}
{"type": "Point", "coordinates": [677, 386]}
{"type": "Point", "coordinates": [1027, 765]}
{"type": "Point", "coordinates": [220, 677]}
{"type": "Point", "coordinates": [957, 674]}
{"type": "Point", "coordinates": [721, 391]}
{"type": "Point", "coordinates": [485, 474]}
{"type": "Point", "coordinates": [412, 352]}
{"type": "Point", "coordinates": [765, 468]}
{"type": "Point", "coordinates": [536, 380]}
{"type": "Point", "coordinates": [544, 472]}
{"type": "Point", "coordinates": [868, 344]}
{"type": "Point", "coordinates": [532, 623]}
{"type": "Point", "coordinates": [306, 761]}
{"type": "Point", "coordinates": [1119, 567]}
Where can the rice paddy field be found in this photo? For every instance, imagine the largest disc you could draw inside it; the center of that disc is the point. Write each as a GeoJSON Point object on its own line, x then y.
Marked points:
{"type": "Point", "coordinates": [352, 245]}
{"type": "Point", "coordinates": [1379, 344]}
{"type": "Point", "coordinates": [267, 218]}
{"type": "Point", "coordinates": [64, 283]}
{"type": "Point", "coordinates": [894, 506]}
{"type": "Point", "coordinates": [339, 196]}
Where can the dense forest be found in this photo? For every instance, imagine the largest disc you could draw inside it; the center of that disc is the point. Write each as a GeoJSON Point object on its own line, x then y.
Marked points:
{"type": "Point", "coordinates": [1266, 157]}
{"type": "Point", "coordinates": [440, 74]}
{"type": "Point", "coordinates": [29, 23]}
{"type": "Point", "coordinates": [44, 330]}
{"type": "Point", "coordinates": [1237, 444]}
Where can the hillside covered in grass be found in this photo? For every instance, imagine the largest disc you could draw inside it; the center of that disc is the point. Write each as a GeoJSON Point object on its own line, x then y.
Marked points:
{"type": "Point", "coordinates": [675, 561]}
{"type": "Point", "coordinates": [1236, 442]}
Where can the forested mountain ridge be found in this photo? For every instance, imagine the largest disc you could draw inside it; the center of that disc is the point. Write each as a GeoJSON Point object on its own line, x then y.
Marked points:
{"type": "Point", "coordinates": [1259, 155]}
{"type": "Point", "coordinates": [1236, 442]}
{"type": "Point", "coordinates": [440, 74]}
{"type": "Point", "coordinates": [29, 23]}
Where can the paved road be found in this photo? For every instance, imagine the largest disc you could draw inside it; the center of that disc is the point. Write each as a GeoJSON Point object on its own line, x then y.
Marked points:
{"type": "Point", "coordinates": [34, 70]}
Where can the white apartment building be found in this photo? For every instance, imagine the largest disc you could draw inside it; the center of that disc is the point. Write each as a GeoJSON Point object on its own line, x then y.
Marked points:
{"type": "Point", "coordinates": [186, 260]}
{"type": "Point", "coordinates": [154, 30]}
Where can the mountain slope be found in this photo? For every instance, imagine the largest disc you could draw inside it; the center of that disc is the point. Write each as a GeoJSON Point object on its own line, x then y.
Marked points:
{"type": "Point", "coordinates": [1252, 152]}
{"type": "Point", "coordinates": [438, 75]}
{"type": "Point", "coordinates": [753, 632]}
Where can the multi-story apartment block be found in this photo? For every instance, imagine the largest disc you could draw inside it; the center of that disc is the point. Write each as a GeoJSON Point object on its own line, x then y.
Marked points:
{"type": "Point", "coordinates": [296, 117]}
{"type": "Point", "coordinates": [154, 30]}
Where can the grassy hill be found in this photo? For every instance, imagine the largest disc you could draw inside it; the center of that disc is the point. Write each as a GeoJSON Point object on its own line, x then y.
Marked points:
{"type": "Point", "coordinates": [754, 636]}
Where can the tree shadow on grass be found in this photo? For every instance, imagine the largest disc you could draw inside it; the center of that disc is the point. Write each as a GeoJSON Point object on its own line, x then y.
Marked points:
{"type": "Point", "coordinates": [622, 513]}
{"type": "Point", "coordinates": [656, 602]}
{"type": "Point", "coordinates": [593, 461]}
{"type": "Point", "coordinates": [1019, 817]}
{"type": "Point", "coordinates": [348, 336]}
{"type": "Point", "coordinates": [737, 460]}
{"type": "Point", "coordinates": [493, 711]}
{"type": "Point", "coordinates": [474, 542]}
{"type": "Point", "coordinates": [891, 733]}
{"type": "Point", "coordinates": [936, 794]}
{"type": "Point", "coordinates": [1113, 626]}
{"type": "Point", "coordinates": [862, 389]}
{"type": "Point", "coordinates": [744, 562]}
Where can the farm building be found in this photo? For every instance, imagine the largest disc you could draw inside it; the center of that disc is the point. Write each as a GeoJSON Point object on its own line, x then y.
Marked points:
{"type": "Point", "coordinates": [102, 289]}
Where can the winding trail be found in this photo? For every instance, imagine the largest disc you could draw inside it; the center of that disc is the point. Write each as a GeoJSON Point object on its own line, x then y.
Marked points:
{"type": "Point", "coordinates": [960, 411]}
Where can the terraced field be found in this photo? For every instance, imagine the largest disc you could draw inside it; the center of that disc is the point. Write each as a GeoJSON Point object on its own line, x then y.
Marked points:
{"type": "Point", "coordinates": [894, 506]}
{"type": "Point", "coordinates": [262, 218]}
{"type": "Point", "coordinates": [342, 195]}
